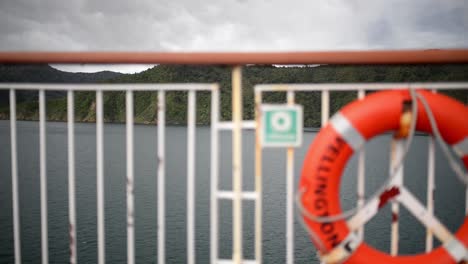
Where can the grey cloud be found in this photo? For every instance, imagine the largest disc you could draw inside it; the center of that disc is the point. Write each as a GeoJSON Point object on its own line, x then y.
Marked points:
{"type": "Point", "coordinates": [229, 25]}
{"type": "Point", "coordinates": [448, 21]}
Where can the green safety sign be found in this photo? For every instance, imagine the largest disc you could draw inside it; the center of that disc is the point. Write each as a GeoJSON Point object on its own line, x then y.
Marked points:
{"type": "Point", "coordinates": [281, 125]}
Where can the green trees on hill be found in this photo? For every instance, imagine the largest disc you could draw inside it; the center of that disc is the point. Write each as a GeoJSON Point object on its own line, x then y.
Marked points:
{"type": "Point", "coordinates": [146, 102]}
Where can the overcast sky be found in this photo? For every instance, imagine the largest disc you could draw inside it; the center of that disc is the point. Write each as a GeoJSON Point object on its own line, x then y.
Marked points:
{"type": "Point", "coordinates": [229, 25]}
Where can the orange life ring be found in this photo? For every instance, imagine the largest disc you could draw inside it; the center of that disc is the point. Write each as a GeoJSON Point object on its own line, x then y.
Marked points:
{"type": "Point", "coordinates": [348, 130]}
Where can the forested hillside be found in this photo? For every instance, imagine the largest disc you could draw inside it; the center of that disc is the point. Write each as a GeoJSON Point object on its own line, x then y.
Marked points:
{"type": "Point", "coordinates": [146, 102]}
{"type": "Point", "coordinates": [44, 73]}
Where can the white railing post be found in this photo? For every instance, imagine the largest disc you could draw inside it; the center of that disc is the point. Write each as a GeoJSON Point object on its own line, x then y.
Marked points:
{"type": "Point", "coordinates": [130, 180]}
{"type": "Point", "coordinates": [191, 177]}
{"type": "Point", "coordinates": [100, 176]}
{"type": "Point", "coordinates": [43, 177]}
{"type": "Point", "coordinates": [161, 122]}
{"type": "Point", "coordinates": [214, 174]}
{"type": "Point", "coordinates": [466, 201]}
{"type": "Point", "coordinates": [289, 196]}
{"type": "Point", "coordinates": [361, 175]}
{"type": "Point", "coordinates": [258, 180]}
{"type": "Point", "coordinates": [325, 109]}
{"type": "Point", "coordinates": [71, 176]}
{"type": "Point", "coordinates": [430, 189]}
{"type": "Point", "coordinates": [237, 163]}
{"type": "Point", "coordinates": [14, 178]}
{"type": "Point", "coordinates": [398, 148]}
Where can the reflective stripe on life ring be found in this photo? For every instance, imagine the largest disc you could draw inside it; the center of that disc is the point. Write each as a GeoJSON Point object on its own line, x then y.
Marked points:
{"type": "Point", "coordinates": [346, 132]}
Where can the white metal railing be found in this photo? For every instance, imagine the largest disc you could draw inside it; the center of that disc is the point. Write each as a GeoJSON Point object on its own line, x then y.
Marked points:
{"type": "Point", "coordinates": [236, 195]}
{"type": "Point", "coordinates": [407, 198]}
{"type": "Point", "coordinates": [100, 88]}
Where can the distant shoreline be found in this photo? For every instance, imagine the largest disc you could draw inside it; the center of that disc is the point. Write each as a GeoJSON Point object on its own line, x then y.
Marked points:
{"type": "Point", "coordinates": [305, 129]}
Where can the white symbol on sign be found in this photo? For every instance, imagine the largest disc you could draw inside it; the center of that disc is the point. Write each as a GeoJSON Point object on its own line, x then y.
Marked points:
{"type": "Point", "coordinates": [281, 121]}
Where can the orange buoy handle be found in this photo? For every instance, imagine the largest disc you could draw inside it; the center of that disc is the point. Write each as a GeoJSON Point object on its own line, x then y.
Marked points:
{"type": "Point", "coordinates": [405, 120]}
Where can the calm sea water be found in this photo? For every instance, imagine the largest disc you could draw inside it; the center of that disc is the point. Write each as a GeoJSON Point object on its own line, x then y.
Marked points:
{"type": "Point", "coordinates": [449, 195]}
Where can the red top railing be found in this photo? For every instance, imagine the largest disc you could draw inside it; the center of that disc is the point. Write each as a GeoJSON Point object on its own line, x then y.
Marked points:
{"type": "Point", "coordinates": [431, 56]}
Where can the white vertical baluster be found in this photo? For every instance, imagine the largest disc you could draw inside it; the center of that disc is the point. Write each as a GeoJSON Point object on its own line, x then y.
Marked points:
{"type": "Point", "coordinates": [100, 176]}
{"type": "Point", "coordinates": [214, 173]}
{"type": "Point", "coordinates": [289, 197]}
{"type": "Point", "coordinates": [237, 163]}
{"type": "Point", "coordinates": [130, 180]}
{"type": "Point", "coordinates": [430, 189]}
{"type": "Point", "coordinates": [325, 107]}
{"type": "Point", "coordinates": [466, 201]}
{"type": "Point", "coordinates": [258, 180]}
{"type": "Point", "coordinates": [161, 177]}
{"type": "Point", "coordinates": [43, 177]}
{"type": "Point", "coordinates": [398, 150]}
{"type": "Point", "coordinates": [71, 176]}
{"type": "Point", "coordinates": [14, 178]}
{"type": "Point", "coordinates": [191, 177]}
{"type": "Point", "coordinates": [361, 175]}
